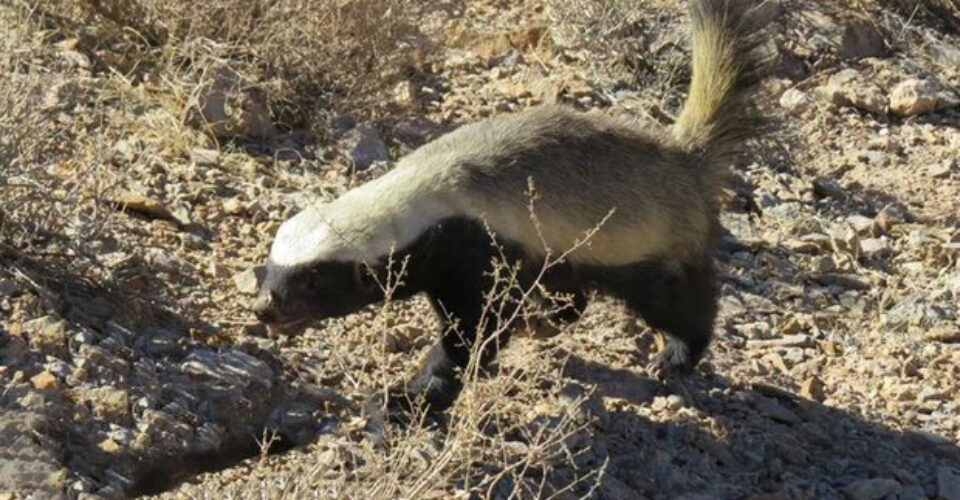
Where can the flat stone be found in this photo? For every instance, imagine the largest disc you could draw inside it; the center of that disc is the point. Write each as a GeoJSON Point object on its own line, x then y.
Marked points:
{"type": "Point", "coordinates": [825, 187]}
{"type": "Point", "coordinates": [862, 224]}
{"type": "Point", "coordinates": [231, 367]}
{"type": "Point", "coordinates": [247, 281]}
{"type": "Point", "coordinates": [875, 247]}
{"type": "Point", "coordinates": [850, 281]}
{"type": "Point", "coordinates": [872, 489]}
{"type": "Point", "coordinates": [941, 170]}
{"type": "Point", "coordinates": [948, 483]}
{"type": "Point", "coordinates": [365, 146]}
{"type": "Point", "coordinates": [141, 204]}
{"type": "Point", "coordinates": [798, 340]}
{"type": "Point", "coordinates": [795, 101]}
{"type": "Point", "coordinates": [205, 157]}
{"type": "Point", "coordinates": [777, 411]}
{"type": "Point", "coordinates": [919, 96]}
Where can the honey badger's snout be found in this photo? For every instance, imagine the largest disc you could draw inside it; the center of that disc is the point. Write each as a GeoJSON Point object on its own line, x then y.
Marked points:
{"type": "Point", "coordinates": [265, 305]}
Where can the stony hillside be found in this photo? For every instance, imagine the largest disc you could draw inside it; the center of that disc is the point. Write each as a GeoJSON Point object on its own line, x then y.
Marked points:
{"type": "Point", "coordinates": [149, 150]}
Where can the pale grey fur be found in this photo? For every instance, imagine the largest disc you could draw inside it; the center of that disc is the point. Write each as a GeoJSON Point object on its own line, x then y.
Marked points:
{"type": "Point", "coordinates": [582, 166]}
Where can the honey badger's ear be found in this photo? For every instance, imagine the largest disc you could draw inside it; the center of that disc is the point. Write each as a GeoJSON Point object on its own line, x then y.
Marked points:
{"type": "Point", "coordinates": [365, 278]}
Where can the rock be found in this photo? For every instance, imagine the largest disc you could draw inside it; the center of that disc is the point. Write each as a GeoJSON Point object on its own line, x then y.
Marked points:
{"type": "Point", "coordinates": [125, 151]}
{"type": "Point", "coordinates": [941, 170]}
{"type": "Point", "coordinates": [812, 388]}
{"type": "Point", "coordinates": [806, 246]}
{"type": "Point", "coordinates": [912, 311]}
{"type": "Point", "coordinates": [205, 157]}
{"type": "Point", "coordinates": [233, 206]}
{"type": "Point", "coordinates": [47, 334]}
{"type": "Point", "coordinates": [944, 332]}
{"type": "Point", "coordinates": [798, 340]}
{"type": "Point", "coordinates": [230, 367]}
{"type": "Point", "coordinates": [755, 330]}
{"type": "Point", "coordinates": [890, 216]}
{"type": "Point", "coordinates": [850, 88]}
{"type": "Point", "coordinates": [45, 380]}
{"type": "Point", "coordinates": [875, 247]}
{"type": "Point", "coordinates": [247, 282]}
{"type": "Point", "coordinates": [675, 402]}
{"type": "Point", "coordinates": [844, 280]}
{"type": "Point", "coordinates": [9, 288]}
{"type": "Point", "coordinates": [824, 264]}
{"type": "Point", "coordinates": [860, 39]}
{"type": "Point", "coordinates": [109, 445]}
{"type": "Point", "coordinates": [232, 107]}
{"type": "Point", "coordinates": [415, 132]}
{"type": "Point", "coordinates": [795, 101]}
{"type": "Point", "coordinates": [825, 187]}
{"type": "Point", "coordinates": [948, 483]}
{"type": "Point", "coordinates": [776, 411]}
{"type": "Point", "coordinates": [143, 205]}
{"type": "Point", "coordinates": [861, 224]}
{"type": "Point", "coordinates": [405, 94]}
{"type": "Point", "coordinates": [11, 347]}
{"type": "Point", "coordinates": [110, 404]}
{"type": "Point", "coordinates": [365, 146]}
{"type": "Point", "coordinates": [919, 96]}
{"type": "Point", "coordinates": [871, 489]}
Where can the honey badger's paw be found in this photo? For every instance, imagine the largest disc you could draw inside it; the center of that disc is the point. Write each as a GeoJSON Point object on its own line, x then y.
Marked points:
{"type": "Point", "coordinates": [426, 394]}
{"type": "Point", "coordinates": [673, 360]}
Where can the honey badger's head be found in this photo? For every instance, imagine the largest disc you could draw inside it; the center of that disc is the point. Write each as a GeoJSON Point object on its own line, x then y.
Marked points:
{"type": "Point", "coordinates": [309, 276]}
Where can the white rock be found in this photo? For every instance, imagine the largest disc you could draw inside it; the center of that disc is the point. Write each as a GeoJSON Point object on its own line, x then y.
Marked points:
{"type": "Point", "coordinates": [247, 281]}
{"type": "Point", "coordinates": [918, 96]}
{"type": "Point", "coordinates": [231, 107]}
{"type": "Point", "coordinates": [850, 88]}
{"type": "Point", "coordinates": [365, 146]}
{"type": "Point", "coordinates": [795, 101]}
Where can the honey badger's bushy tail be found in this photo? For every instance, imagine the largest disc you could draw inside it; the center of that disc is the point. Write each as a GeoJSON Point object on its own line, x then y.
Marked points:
{"type": "Point", "coordinates": [728, 61]}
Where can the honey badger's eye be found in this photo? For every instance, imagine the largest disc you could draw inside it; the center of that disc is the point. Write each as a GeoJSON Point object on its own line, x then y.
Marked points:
{"type": "Point", "coordinates": [312, 281]}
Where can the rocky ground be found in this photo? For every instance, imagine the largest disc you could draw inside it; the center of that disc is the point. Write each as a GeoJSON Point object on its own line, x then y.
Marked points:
{"type": "Point", "coordinates": [129, 364]}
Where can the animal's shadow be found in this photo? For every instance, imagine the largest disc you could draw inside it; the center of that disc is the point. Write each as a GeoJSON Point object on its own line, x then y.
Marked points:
{"type": "Point", "coordinates": [181, 403]}
{"type": "Point", "coordinates": [761, 440]}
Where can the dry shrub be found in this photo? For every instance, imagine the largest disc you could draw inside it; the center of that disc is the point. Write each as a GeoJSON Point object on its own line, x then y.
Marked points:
{"type": "Point", "coordinates": [633, 44]}
{"type": "Point", "coordinates": [147, 62]}
{"type": "Point", "coordinates": [517, 433]}
{"type": "Point", "coordinates": [944, 14]}
{"type": "Point", "coordinates": [312, 55]}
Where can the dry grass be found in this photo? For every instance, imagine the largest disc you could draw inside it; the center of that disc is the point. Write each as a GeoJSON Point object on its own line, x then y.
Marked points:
{"type": "Point", "coordinates": [81, 78]}
{"type": "Point", "coordinates": [312, 55]}
{"type": "Point", "coordinates": [632, 44]}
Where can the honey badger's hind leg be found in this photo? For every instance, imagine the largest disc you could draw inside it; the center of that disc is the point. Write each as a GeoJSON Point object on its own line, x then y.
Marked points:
{"type": "Point", "coordinates": [677, 299]}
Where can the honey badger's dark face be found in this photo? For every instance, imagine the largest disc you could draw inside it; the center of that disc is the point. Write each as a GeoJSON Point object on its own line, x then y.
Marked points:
{"type": "Point", "coordinates": [291, 297]}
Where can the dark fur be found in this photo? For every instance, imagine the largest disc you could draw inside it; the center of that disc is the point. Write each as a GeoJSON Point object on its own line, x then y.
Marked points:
{"type": "Point", "coordinates": [452, 264]}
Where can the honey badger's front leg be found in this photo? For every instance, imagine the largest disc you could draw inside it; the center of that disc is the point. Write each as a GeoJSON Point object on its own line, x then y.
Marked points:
{"type": "Point", "coordinates": [457, 278]}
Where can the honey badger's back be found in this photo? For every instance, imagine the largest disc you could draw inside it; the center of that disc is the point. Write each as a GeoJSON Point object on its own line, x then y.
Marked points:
{"type": "Point", "coordinates": [662, 183]}
{"type": "Point", "coordinates": [582, 166]}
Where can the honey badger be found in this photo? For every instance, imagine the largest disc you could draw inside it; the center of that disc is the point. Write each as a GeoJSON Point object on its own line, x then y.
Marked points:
{"type": "Point", "coordinates": [441, 203]}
